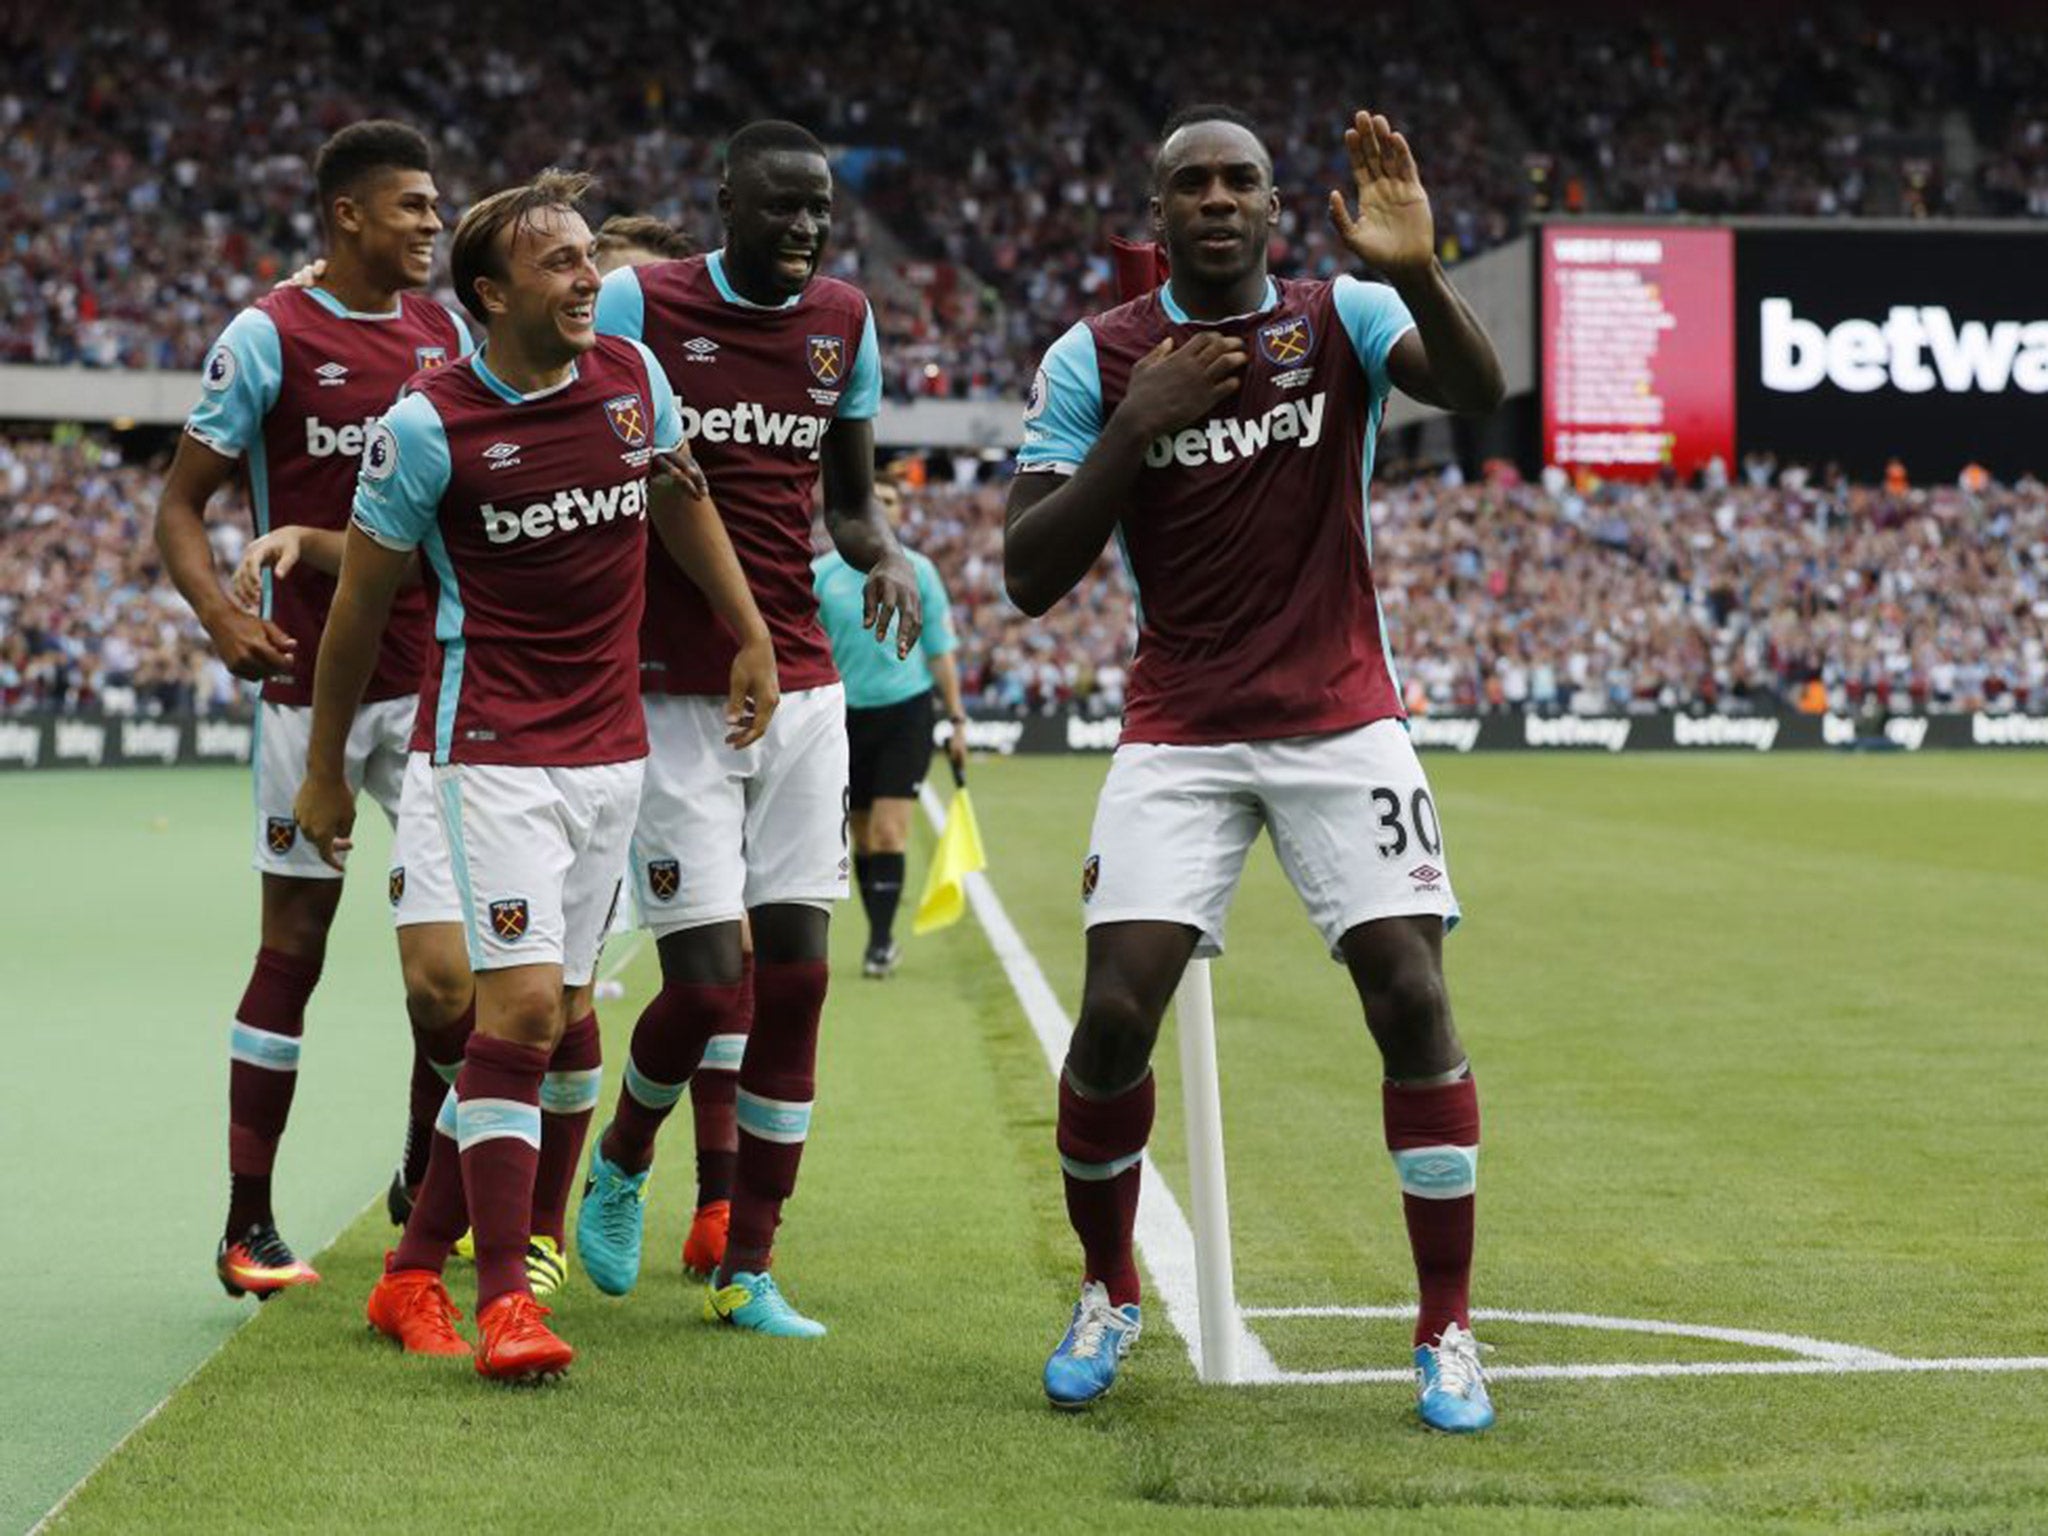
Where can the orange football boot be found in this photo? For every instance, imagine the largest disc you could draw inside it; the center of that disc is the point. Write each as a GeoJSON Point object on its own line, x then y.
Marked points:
{"type": "Point", "coordinates": [704, 1248]}
{"type": "Point", "coordinates": [259, 1264]}
{"type": "Point", "coordinates": [411, 1308]}
{"type": "Point", "coordinates": [517, 1345]}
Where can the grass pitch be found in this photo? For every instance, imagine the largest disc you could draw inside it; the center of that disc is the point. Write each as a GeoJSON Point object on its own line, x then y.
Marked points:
{"type": "Point", "coordinates": [1753, 1043]}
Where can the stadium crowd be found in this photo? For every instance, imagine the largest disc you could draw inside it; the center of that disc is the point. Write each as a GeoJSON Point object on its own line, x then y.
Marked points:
{"type": "Point", "coordinates": [1503, 595]}
{"type": "Point", "coordinates": [154, 168]}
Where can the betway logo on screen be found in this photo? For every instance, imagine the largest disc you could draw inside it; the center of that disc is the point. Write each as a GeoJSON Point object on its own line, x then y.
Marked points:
{"type": "Point", "coordinates": [1915, 349]}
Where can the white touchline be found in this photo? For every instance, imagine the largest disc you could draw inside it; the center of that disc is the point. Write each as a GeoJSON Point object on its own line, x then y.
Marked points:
{"type": "Point", "coordinates": [1790, 1343]}
{"type": "Point", "coordinates": [1167, 1245]}
{"type": "Point", "coordinates": [1164, 1239]}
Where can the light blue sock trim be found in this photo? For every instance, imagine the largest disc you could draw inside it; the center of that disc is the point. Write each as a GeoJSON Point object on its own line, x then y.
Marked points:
{"type": "Point", "coordinates": [1096, 1173]}
{"type": "Point", "coordinates": [647, 1092]}
{"type": "Point", "coordinates": [783, 1120]}
{"type": "Point", "coordinates": [571, 1093]}
{"type": "Point", "coordinates": [1438, 1173]}
{"type": "Point", "coordinates": [447, 1071]}
{"type": "Point", "coordinates": [255, 1047]}
{"type": "Point", "coordinates": [444, 1122]}
{"type": "Point", "coordinates": [723, 1053]}
{"type": "Point", "coordinates": [481, 1120]}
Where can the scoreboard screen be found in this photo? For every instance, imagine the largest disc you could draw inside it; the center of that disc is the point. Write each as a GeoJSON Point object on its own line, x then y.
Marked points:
{"type": "Point", "coordinates": [1638, 348]}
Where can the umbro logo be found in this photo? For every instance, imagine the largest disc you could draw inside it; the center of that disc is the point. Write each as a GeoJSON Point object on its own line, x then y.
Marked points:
{"type": "Point", "coordinates": [331, 374]}
{"type": "Point", "coordinates": [502, 455]}
{"type": "Point", "coordinates": [702, 349]}
{"type": "Point", "coordinates": [1427, 877]}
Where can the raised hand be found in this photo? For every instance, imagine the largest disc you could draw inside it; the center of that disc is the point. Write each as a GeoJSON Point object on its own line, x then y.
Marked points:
{"type": "Point", "coordinates": [1174, 387]}
{"type": "Point", "coordinates": [1393, 230]}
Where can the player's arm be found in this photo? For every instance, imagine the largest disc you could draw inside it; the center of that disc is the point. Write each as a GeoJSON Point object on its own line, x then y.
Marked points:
{"type": "Point", "coordinates": [282, 550]}
{"type": "Point", "coordinates": [1447, 360]}
{"type": "Point", "coordinates": [239, 383]}
{"type": "Point", "coordinates": [688, 525]}
{"type": "Point", "coordinates": [1061, 512]}
{"type": "Point", "coordinates": [404, 474]}
{"type": "Point", "coordinates": [370, 577]}
{"type": "Point", "coordinates": [858, 528]}
{"type": "Point", "coordinates": [249, 645]}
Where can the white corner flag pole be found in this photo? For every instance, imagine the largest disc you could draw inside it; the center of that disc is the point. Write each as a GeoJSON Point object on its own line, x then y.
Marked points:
{"type": "Point", "coordinates": [1202, 1098]}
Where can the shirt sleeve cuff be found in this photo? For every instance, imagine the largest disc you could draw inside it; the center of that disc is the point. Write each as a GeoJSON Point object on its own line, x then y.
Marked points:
{"type": "Point", "coordinates": [385, 540]}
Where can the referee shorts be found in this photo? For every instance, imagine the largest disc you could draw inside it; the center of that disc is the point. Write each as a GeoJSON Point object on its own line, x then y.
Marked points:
{"type": "Point", "coordinates": [888, 751]}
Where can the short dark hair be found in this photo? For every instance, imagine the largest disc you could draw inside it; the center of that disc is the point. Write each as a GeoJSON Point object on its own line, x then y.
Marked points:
{"type": "Point", "coordinates": [1206, 112]}
{"type": "Point", "coordinates": [477, 251]}
{"type": "Point", "coordinates": [361, 149]}
{"type": "Point", "coordinates": [643, 232]}
{"type": "Point", "coordinates": [769, 136]}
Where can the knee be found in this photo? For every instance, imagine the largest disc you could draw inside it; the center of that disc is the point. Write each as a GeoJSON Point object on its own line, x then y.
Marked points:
{"type": "Point", "coordinates": [1112, 1045]}
{"type": "Point", "coordinates": [1409, 1011]}
{"type": "Point", "coordinates": [296, 921]}
{"type": "Point", "coordinates": [436, 995]}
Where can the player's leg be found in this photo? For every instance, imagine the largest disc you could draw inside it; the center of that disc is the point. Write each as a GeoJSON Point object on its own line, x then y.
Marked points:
{"type": "Point", "coordinates": [433, 958]}
{"type": "Point", "coordinates": [300, 893]}
{"type": "Point", "coordinates": [797, 861]}
{"type": "Point", "coordinates": [776, 1088]}
{"type": "Point", "coordinates": [513, 839]}
{"type": "Point", "coordinates": [1357, 830]}
{"type": "Point", "coordinates": [1170, 836]}
{"type": "Point", "coordinates": [714, 1089]}
{"type": "Point", "coordinates": [689, 874]}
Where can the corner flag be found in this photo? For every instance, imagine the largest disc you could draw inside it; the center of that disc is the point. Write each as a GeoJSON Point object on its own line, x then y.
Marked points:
{"type": "Point", "coordinates": [958, 854]}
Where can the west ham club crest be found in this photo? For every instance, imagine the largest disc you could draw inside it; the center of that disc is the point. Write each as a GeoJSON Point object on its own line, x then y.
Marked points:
{"type": "Point", "coordinates": [628, 418]}
{"type": "Point", "coordinates": [827, 355]}
{"type": "Point", "coordinates": [1285, 343]}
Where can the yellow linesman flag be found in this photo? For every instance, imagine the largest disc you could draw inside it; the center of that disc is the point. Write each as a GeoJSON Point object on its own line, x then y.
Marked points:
{"type": "Point", "coordinates": [958, 855]}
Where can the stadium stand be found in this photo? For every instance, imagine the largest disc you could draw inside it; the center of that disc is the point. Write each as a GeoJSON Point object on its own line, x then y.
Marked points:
{"type": "Point", "coordinates": [985, 163]}
{"type": "Point", "coordinates": [1500, 596]}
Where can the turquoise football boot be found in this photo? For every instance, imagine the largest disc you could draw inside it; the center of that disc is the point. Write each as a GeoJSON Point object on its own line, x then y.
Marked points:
{"type": "Point", "coordinates": [1450, 1384]}
{"type": "Point", "coordinates": [608, 1224]}
{"type": "Point", "coordinates": [1083, 1367]}
{"type": "Point", "coordinates": [753, 1302]}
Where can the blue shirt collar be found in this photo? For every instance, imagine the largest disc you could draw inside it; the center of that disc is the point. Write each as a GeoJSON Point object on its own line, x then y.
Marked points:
{"type": "Point", "coordinates": [334, 306]}
{"type": "Point", "coordinates": [1179, 316]}
{"type": "Point", "coordinates": [506, 392]}
{"type": "Point", "coordinates": [715, 265]}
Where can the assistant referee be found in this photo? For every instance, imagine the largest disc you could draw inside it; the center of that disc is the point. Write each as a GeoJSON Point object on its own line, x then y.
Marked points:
{"type": "Point", "coordinates": [889, 713]}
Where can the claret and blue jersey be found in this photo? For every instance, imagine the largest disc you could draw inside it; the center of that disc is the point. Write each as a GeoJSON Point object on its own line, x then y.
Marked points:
{"type": "Point", "coordinates": [1247, 536]}
{"type": "Point", "coordinates": [530, 514]}
{"type": "Point", "coordinates": [759, 387]}
{"type": "Point", "coordinates": [291, 388]}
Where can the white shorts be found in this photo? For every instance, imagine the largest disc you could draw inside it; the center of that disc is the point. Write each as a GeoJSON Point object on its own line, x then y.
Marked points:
{"type": "Point", "coordinates": [538, 855]}
{"type": "Point", "coordinates": [1351, 814]}
{"type": "Point", "coordinates": [374, 760]}
{"type": "Point", "coordinates": [722, 832]}
{"type": "Point", "coordinates": [422, 880]}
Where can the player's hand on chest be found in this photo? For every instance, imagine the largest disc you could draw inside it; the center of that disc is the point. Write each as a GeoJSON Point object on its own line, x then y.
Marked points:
{"type": "Point", "coordinates": [1179, 383]}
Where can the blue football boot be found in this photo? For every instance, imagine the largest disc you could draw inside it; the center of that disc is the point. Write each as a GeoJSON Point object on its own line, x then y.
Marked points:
{"type": "Point", "coordinates": [753, 1301]}
{"type": "Point", "coordinates": [608, 1224]}
{"type": "Point", "coordinates": [1083, 1367]}
{"type": "Point", "coordinates": [1450, 1385]}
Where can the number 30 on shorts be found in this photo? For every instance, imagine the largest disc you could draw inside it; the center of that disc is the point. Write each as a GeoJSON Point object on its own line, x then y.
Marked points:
{"type": "Point", "coordinates": [1397, 819]}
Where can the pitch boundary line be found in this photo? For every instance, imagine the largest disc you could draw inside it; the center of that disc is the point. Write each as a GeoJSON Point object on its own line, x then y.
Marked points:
{"type": "Point", "coordinates": [612, 971]}
{"type": "Point", "coordinates": [1167, 1244]}
{"type": "Point", "coordinates": [1164, 1239]}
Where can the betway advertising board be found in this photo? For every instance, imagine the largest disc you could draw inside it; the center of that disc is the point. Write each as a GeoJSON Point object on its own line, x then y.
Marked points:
{"type": "Point", "coordinates": [1819, 343]}
{"type": "Point", "coordinates": [30, 743]}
